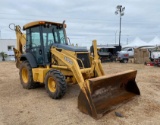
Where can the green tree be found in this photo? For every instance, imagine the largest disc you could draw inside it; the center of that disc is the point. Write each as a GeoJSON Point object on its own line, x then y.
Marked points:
{"type": "Point", "coordinates": [3, 56]}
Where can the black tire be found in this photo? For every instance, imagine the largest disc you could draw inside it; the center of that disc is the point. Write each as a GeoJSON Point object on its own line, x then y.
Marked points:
{"type": "Point", "coordinates": [26, 77]}
{"type": "Point", "coordinates": [101, 60]}
{"type": "Point", "coordinates": [145, 63]}
{"type": "Point", "coordinates": [55, 84]}
{"type": "Point", "coordinates": [125, 60]}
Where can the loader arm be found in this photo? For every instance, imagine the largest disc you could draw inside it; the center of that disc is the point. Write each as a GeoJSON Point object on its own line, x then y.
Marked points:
{"type": "Point", "coordinates": [72, 65]}
{"type": "Point", "coordinates": [96, 62]}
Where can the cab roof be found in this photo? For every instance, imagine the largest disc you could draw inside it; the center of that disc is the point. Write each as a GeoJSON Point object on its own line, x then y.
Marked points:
{"type": "Point", "coordinates": [36, 23]}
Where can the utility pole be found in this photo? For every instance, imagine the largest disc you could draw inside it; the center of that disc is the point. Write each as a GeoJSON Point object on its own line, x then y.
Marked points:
{"type": "Point", "coordinates": [115, 37]}
{"type": "Point", "coordinates": [120, 11]}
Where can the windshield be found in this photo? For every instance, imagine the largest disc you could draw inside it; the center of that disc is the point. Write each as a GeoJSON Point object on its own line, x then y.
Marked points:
{"type": "Point", "coordinates": [103, 50]}
{"type": "Point", "coordinates": [53, 34]}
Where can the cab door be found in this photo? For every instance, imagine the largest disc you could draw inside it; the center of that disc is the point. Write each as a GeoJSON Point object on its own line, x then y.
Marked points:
{"type": "Point", "coordinates": [36, 45]}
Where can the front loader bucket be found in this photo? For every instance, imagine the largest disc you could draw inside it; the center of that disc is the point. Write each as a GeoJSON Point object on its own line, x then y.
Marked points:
{"type": "Point", "coordinates": [103, 94]}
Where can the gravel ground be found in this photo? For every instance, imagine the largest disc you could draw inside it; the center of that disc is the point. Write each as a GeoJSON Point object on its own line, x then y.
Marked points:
{"type": "Point", "coordinates": [33, 107]}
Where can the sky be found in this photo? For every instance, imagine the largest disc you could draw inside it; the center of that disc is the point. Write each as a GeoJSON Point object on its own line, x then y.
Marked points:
{"type": "Point", "coordinates": [86, 19]}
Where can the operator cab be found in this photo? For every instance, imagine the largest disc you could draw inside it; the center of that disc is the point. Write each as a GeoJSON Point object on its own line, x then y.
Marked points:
{"type": "Point", "coordinates": [40, 36]}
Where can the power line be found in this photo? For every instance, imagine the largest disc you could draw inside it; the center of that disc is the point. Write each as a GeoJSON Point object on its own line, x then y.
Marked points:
{"type": "Point", "coordinates": [70, 18]}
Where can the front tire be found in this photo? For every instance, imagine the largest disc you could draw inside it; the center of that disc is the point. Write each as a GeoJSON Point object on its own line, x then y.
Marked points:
{"type": "Point", "coordinates": [26, 76]}
{"type": "Point", "coordinates": [55, 84]}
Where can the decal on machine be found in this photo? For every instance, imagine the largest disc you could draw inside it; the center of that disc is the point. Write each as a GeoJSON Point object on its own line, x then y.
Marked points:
{"type": "Point", "coordinates": [68, 60]}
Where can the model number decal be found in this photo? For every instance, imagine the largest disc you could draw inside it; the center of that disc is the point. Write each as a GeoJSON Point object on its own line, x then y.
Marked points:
{"type": "Point", "coordinates": [68, 60]}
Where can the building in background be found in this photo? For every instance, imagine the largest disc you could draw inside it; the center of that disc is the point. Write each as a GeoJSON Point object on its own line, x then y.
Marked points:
{"type": "Point", "coordinates": [7, 45]}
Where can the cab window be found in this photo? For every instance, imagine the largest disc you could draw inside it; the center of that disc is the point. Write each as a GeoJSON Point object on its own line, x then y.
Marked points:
{"type": "Point", "coordinates": [35, 37]}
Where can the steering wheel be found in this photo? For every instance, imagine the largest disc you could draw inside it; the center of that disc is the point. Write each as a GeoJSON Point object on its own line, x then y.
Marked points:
{"type": "Point", "coordinates": [50, 42]}
{"type": "Point", "coordinates": [34, 45]}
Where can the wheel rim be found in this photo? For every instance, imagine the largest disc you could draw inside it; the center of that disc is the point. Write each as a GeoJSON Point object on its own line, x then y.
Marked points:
{"type": "Point", "coordinates": [51, 84]}
{"type": "Point", "coordinates": [25, 75]}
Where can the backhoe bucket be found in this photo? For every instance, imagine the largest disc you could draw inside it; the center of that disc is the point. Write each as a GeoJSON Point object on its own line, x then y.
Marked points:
{"type": "Point", "coordinates": [103, 94]}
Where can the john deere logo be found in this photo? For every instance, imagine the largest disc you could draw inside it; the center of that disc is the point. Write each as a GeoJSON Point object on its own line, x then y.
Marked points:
{"type": "Point", "coordinates": [68, 60]}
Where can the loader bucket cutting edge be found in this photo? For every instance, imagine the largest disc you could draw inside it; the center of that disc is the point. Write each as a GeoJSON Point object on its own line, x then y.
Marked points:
{"type": "Point", "coordinates": [105, 93]}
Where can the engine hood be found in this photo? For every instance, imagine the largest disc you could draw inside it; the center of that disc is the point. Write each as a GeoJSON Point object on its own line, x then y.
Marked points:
{"type": "Point", "coordinates": [71, 48]}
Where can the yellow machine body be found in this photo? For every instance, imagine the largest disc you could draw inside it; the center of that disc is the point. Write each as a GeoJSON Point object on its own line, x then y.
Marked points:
{"type": "Point", "coordinates": [100, 93]}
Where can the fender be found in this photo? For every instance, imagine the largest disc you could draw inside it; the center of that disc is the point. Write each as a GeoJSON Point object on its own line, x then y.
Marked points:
{"type": "Point", "coordinates": [30, 58]}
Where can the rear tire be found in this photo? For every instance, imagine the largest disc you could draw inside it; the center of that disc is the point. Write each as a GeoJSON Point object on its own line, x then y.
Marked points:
{"type": "Point", "coordinates": [55, 84]}
{"type": "Point", "coordinates": [26, 76]}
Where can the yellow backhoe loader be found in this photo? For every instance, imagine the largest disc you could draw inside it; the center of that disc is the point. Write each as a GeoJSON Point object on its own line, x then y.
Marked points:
{"type": "Point", "coordinates": [45, 56]}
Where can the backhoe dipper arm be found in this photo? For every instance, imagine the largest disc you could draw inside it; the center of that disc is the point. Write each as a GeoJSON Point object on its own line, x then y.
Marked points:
{"type": "Point", "coordinates": [21, 41]}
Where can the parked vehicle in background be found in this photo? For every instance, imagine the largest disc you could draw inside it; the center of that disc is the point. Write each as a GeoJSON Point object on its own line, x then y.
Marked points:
{"type": "Point", "coordinates": [123, 56]}
{"type": "Point", "coordinates": [106, 53]}
{"type": "Point", "coordinates": [157, 62]}
{"type": "Point", "coordinates": [154, 55]}
{"type": "Point", "coordinates": [130, 51]}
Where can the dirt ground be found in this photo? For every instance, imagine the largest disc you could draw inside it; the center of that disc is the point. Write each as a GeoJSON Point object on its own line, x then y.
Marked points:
{"type": "Point", "coordinates": [34, 107]}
